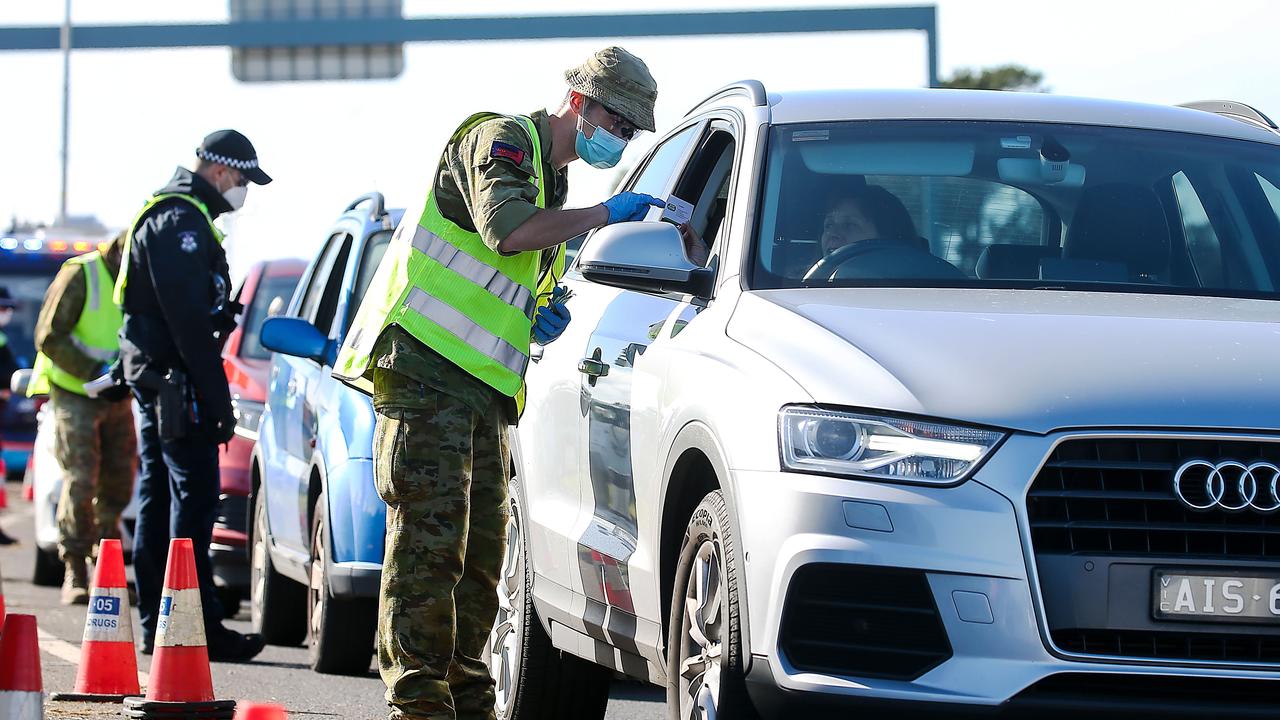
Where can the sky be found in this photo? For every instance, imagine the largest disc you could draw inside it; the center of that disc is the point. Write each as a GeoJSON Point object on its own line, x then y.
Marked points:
{"type": "Point", "coordinates": [137, 114]}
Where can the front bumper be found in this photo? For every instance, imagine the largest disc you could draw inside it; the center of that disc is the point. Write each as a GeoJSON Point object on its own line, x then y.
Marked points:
{"type": "Point", "coordinates": [970, 545]}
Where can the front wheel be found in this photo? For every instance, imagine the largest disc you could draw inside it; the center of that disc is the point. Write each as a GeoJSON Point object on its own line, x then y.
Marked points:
{"type": "Point", "coordinates": [534, 680]}
{"type": "Point", "coordinates": [339, 630]}
{"type": "Point", "coordinates": [276, 604]}
{"type": "Point", "coordinates": [704, 642]}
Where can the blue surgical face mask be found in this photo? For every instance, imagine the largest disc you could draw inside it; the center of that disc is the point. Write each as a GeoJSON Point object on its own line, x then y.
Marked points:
{"type": "Point", "coordinates": [602, 150]}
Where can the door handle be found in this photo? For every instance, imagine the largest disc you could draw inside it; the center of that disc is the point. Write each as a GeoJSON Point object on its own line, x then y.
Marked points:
{"type": "Point", "coordinates": [292, 388]}
{"type": "Point", "coordinates": [593, 367]}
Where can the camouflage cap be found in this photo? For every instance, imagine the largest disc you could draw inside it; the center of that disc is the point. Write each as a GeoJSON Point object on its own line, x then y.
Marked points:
{"type": "Point", "coordinates": [620, 81]}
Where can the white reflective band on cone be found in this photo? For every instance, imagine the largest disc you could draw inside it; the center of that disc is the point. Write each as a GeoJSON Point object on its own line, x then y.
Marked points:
{"type": "Point", "coordinates": [181, 619]}
{"type": "Point", "coordinates": [15, 705]}
{"type": "Point", "coordinates": [109, 619]}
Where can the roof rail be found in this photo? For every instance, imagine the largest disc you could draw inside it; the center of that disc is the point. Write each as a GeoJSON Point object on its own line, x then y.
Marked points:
{"type": "Point", "coordinates": [379, 204]}
{"type": "Point", "coordinates": [753, 89]}
{"type": "Point", "coordinates": [1235, 111]}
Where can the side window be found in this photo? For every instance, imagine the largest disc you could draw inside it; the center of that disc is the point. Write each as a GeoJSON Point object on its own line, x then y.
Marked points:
{"type": "Point", "coordinates": [375, 247]}
{"type": "Point", "coordinates": [1203, 244]}
{"type": "Point", "coordinates": [655, 177]}
{"type": "Point", "coordinates": [319, 277]}
{"type": "Point", "coordinates": [328, 305]}
{"type": "Point", "coordinates": [704, 183]}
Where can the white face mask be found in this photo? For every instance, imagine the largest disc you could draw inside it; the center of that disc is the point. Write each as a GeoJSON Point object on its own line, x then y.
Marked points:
{"type": "Point", "coordinates": [235, 196]}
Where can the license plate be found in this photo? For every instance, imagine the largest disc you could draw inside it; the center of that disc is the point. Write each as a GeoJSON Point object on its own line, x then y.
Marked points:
{"type": "Point", "coordinates": [1216, 598]}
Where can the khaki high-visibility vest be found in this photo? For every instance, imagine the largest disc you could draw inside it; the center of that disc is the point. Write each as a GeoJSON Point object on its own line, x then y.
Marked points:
{"type": "Point", "coordinates": [455, 294]}
{"type": "Point", "coordinates": [96, 333]}
{"type": "Point", "coordinates": [123, 279]}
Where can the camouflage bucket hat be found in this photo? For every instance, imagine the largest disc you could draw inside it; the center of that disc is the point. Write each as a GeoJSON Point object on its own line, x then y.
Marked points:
{"type": "Point", "coordinates": [620, 81]}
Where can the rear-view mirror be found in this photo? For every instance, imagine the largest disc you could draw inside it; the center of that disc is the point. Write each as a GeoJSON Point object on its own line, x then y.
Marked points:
{"type": "Point", "coordinates": [293, 336]}
{"type": "Point", "coordinates": [644, 256]}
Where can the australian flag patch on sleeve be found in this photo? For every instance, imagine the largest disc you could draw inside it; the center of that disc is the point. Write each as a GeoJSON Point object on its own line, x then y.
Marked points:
{"type": "Point", "coordinates": [506, 151]}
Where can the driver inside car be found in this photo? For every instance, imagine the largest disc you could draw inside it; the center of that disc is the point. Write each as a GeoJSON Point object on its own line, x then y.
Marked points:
{"type": "Point", "coordinates": [867, 213]}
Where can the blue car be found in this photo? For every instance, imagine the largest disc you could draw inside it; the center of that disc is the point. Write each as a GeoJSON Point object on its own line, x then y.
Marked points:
{"type": "Point", "coordinates": [317, 529]}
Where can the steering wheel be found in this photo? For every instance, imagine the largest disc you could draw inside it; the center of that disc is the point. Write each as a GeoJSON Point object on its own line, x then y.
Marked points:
{"type": "Point", "coordinates": [879, 258]}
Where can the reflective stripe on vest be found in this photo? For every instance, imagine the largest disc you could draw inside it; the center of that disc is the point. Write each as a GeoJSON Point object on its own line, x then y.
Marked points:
{"type": "Point", "coordinates": [122, 279]}
{"type": "Point", "coordinates": [96, 333]}
{"type": "Point", "coordinates": [453, 293]}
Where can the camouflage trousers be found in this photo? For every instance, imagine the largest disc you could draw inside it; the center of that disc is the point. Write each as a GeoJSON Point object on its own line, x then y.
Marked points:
{"type": "Point", "coordinates": [95, 444]}
{"type": "Point", "coordinates": [442, 468]}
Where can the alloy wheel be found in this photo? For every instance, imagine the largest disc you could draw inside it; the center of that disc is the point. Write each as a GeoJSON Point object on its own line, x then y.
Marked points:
{"type": "Point", "coordinates": [702, 649]}
{"type": "Point", "coordinates": [258, 568]}
{"type": "Point", "coordinates": [506, 640]}
{"type": "Point", "coordinates": [316, 586]}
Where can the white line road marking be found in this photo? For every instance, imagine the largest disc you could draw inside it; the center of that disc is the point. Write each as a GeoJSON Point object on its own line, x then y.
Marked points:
{"type": "Point", "coordinates": [68, 652]}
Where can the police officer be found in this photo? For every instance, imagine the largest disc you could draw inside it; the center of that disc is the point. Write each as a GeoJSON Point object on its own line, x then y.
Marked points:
{"type": "Point", "coordinates": [76, 335]}
{"type": "Point", "coordinates": [443, 334]}
{"type": "Point", "coordinates": [173, 286]}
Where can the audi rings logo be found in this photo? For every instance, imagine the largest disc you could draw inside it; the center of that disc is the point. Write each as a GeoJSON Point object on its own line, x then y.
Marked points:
{"type": "Point", "coordinates": [1228, 485]}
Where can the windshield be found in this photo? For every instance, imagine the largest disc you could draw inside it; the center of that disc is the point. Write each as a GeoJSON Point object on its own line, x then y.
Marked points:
{"type": "Point", "coordinates": [272, 289]}
{"type": "Point", "coordinates": [1021, 205]}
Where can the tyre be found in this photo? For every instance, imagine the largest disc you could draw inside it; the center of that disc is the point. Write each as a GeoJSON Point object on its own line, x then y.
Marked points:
{"type": "Point", "coordinates": [49, 569]}
{"type": "Point", "coordinates": [339, 630]}
{"type": "Point", "coordinates": [534, 680]}
{"type": "Point", "coordinates": [704, 642]}
{"type": "Point", "coordinates": [277, 605]}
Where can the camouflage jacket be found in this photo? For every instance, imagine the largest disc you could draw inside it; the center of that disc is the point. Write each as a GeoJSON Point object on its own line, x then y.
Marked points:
{"type": "Point", "coordinates": [63, 303]}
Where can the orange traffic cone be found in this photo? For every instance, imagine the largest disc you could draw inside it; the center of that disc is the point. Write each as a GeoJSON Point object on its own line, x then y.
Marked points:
{"type": "Point", "coordinates": [181, 684]}
{"type": "Point", "coordinates": [21, 687]}
{"type": "Point", "coordinates": [260, 711]}
{"type": "Point", "coordinates": [108, 667]}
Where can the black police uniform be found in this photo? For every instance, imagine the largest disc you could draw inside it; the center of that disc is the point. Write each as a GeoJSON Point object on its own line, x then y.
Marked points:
{"type": "Point", "coordinates": [176, 308]}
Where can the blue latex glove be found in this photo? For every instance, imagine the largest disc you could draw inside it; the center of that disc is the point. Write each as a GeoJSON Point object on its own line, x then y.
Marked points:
{"type": "Point", "coordinates": [551, 319]}
{"type": "Point", "coordinates": [629, 206]}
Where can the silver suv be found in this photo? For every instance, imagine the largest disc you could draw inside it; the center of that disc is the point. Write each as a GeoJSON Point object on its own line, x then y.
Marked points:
{"type": "Point", "coordinates": [976, 404]}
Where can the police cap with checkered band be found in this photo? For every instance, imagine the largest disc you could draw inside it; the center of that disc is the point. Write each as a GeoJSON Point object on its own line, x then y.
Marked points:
{"type": "Point", "coordinates": [230, 148]}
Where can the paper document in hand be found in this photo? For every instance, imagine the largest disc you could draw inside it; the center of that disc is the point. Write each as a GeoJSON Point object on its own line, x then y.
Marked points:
{"type": "Point", "coordinates": [677, 211]}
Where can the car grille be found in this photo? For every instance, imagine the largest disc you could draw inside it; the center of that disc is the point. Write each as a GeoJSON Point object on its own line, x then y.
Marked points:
{"type": "Point", "coordinates": [862, 622]}
{"type": "Point", "coordinates": [1171, 645]}
{"type": "Point", "coordinates": [1116, 496]}
{"type": "Point", "coordinates": [1099, 497]}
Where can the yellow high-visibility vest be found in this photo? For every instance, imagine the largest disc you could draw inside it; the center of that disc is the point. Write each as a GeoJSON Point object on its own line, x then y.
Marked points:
{"type": "Point", "coordinates": [96, 333]}
{"type": "Point", "coordinates": [455, 294]}
{"type": "Point", "coordinates": [122, 279]}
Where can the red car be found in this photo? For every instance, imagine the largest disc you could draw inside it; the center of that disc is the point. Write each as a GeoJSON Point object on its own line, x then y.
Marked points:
{"type": "Point", "coordinates": [266, 289]}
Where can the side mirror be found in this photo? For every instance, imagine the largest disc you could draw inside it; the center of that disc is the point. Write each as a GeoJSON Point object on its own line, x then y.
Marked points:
{"type": "Point", "coordinates": [644, 256]}
{"type": "Point", "coordinates": [293, 336]}
{"type": "Point", "coordinates": [19, 381]}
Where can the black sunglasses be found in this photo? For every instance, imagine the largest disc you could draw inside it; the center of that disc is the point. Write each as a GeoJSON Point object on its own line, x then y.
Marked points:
{"type": "Point", "coordinates": [625, 129]}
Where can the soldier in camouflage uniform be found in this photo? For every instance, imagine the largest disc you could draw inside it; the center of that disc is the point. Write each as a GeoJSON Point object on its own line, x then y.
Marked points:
{"type": "Point", "coordinates": [440, 447]}
{"type": "Point", "coordinates": [94, 439]}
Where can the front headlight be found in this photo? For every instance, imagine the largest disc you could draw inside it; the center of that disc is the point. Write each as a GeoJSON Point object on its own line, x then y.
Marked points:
{"type": "Point", "coordinates": [880, 447]}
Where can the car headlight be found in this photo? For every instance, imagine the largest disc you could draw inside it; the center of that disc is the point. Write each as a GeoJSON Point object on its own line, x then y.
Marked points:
{"type": "Point", "coordinates": [880, 447]}
{"type": "Point", "coordinates": [248, 413]}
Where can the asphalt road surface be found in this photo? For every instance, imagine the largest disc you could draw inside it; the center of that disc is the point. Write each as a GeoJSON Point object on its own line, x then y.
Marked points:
{"type": "Point", "coordinates": [279, 674]}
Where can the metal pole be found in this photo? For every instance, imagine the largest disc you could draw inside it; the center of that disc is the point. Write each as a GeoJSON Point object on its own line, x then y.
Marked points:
{"type": "Point", "coordinates": [66, 107]}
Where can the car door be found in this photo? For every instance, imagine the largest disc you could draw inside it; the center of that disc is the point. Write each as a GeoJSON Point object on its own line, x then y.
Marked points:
{"type": "Point", "coordinates": [619, 385]}
{"type": "Point", "coordinates": [293, 390]}
{"type": "Point", "coordinates": [551, 450]}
